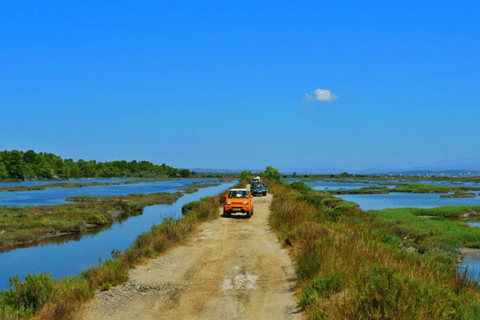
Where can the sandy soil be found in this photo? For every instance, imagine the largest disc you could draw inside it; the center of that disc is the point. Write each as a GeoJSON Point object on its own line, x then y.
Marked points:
{"type": "Point", "coordinates": [232, 268]}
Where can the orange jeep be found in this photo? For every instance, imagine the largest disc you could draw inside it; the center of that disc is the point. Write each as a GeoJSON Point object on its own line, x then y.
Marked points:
{"type": "Point", "coordinates": [238, 200]}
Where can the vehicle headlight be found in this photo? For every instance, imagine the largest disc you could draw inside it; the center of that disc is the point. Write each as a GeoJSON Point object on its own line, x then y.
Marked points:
{"type": "Point", "coordinates": [245, 202]}
{"type": "Point", "coordinates": [228, 202]}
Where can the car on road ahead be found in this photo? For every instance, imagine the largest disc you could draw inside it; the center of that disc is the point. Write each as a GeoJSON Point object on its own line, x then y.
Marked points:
{"type": "Point", "coordinates": [238, 200]}
{"type": "Point", "coordinates": [258, 188]}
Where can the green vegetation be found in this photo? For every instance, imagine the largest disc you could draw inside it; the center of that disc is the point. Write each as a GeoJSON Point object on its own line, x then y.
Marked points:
{"type": "Point", "coordinates": [28, 225]}
{"type": "Point", "coordinates": [429, 230]}
{"type": "Point", "coordinates": [452, 212]}
{"type": "Point", "coordinates": [410, 188]}
{"type": "Point", "coordinates": [40, 295]}
{"type": "Point", "coordinates": [388, 264]}
{"type": "Point", "coordinates": [271, 173]}
{"type": "Point", "coordinates": [19, 165]}
{"type": "Point", "coordinates": [424, 188]}
{"type": "Point", "coordinates": [245, 175]}
{"type": "Point", "coordinates": [459, 194]}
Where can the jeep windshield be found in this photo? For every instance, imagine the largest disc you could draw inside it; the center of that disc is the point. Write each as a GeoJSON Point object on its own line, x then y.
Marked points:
{"type": "Point", "coordinates": [238, 194]}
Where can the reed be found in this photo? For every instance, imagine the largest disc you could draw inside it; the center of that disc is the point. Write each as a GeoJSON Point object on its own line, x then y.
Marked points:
{"type": "Point", "coordinates": [352, 264]}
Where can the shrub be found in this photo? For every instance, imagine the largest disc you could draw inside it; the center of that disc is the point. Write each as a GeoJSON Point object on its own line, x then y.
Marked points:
{"type": "Point", "coordinates": [29, 295]}
{"type": "Point", "coordinates": [300, 186]}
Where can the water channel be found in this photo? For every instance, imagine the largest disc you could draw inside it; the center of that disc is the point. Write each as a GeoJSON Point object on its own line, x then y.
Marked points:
{"type": "Point", "coordinates": [54, 196]}
{"type": "Point", "coordinates": [72, 257]}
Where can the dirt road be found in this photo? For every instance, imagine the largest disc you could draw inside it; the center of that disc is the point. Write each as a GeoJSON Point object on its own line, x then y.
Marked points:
{"type": "Point", "coordinates": [232, 268]}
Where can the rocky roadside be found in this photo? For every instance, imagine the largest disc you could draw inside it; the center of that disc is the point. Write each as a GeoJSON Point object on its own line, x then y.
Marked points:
{"type": "Point", "coordinates": [117, 298]}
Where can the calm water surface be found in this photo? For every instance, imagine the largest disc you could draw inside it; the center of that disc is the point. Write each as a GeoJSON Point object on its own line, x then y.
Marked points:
{"type": "Point", "coordinates": [72, 257]}
{"type": "Point", "coordinates": [403, 199]}
{"type": "Point", "coordinates": [56, 196]}
{"type": "Point", "coordinates": [472, 260]}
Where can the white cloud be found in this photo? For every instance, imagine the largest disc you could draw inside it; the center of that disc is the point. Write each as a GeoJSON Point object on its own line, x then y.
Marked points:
{"type": "Point", "coordinates": [322, 95]}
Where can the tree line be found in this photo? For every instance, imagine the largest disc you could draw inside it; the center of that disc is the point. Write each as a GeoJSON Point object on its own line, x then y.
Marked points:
{"type": "Point", "coordinates": [29, 165]}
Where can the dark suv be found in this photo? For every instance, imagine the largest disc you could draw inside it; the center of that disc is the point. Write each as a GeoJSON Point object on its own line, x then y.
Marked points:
{"type": "Point", "coordinates": [258, 188]}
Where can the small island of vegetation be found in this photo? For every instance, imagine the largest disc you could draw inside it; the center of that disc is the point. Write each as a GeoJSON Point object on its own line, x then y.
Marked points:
{"type": "Point", "coordinates": [21, 226]}
{"type": "Point", "coordinates": [459, 194]}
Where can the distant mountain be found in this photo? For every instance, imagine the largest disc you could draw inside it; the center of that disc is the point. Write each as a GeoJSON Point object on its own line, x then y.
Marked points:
{"type": "Point", "coordinates": [452, 164]}
{"type": "Point", "coordinates": [375, 170]}
{"type": "Point", "coordinates": [456, 166]}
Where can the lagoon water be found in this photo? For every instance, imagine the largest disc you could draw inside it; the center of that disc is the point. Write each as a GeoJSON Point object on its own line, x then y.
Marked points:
{"type": "Point", "coordinates": [403, 199]}
{"type": "Point", "coordinates": [72, 257]}
{"type": "Point", "coordinates": [472, 260]}
{"type": "Point", "coordinates": [333, 185]}
{"type": "Point", "coordinates": [54, 196]}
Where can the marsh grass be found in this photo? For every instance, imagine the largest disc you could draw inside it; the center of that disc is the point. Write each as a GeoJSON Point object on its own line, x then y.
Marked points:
{"type": "Point", "coordinates": [408, 188]}
{"type": "Point", "coordinates": [429, 233]}
{"type": "Point", "coordinates": [445, 211]}
{"type": "Point", "coordinates": [354, 264]}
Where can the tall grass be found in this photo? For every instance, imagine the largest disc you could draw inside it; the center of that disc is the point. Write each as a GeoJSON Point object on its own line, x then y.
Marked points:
{"type": "Point", "coordinates": [352, 264]}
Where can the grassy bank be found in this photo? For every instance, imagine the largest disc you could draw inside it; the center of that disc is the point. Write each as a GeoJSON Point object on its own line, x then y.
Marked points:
{"type": "Point", "coordinates": [28, 225]}
{"type": "Point", "coordinates": [44, 298]}
{"type": "Point", "coordinates": [408, 188]}
{"type": "Point", "coordinates": [459, 194]}
{"type": "Point", "coordinates": [352, 264]}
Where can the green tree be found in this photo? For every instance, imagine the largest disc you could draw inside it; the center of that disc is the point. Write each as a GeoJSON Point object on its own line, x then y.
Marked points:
{"type": "Point", "coordinates": [245, 175]}
{"type": "Point", "coordinates": [45, 170]}
{"type": "Point", "coordinates": [184, 173]}
{"type": "Point", "coordinates": [3, 170]}
{"type": "Point", "coordinates": [29, 171]}
{"type": "Point", "coordinates": [172, 172]}
{"type": "Point", "coordinates": [15, 165]}
{"type": "Point", "coordinates": [272, 173]}
{"type": "Point", "coordinates": [29, 156]}
{"type": "Point", "coordinates": [70, 169]}
{"type": "Point", "coordinates": [58, 167]}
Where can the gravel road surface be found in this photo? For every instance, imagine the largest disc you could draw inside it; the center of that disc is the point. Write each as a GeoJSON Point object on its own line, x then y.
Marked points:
{"type": "Point", "coordinates": [231, 268]}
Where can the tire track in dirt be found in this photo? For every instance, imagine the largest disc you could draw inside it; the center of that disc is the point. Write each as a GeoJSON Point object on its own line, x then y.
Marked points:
{"type": "Point", "coordinates": [232, 268]}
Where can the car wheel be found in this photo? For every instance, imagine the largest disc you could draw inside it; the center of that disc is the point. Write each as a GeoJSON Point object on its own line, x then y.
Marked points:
{"type": "Point", "coordinates": [226, 213]}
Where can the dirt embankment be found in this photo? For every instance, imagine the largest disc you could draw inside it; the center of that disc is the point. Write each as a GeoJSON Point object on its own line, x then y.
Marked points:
{"type": "Point", "coordinates": [232, 268]}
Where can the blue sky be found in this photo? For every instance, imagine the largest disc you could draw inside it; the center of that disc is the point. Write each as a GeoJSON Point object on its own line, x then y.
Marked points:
{"type": "Point", "coordinates": [223, 84]}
